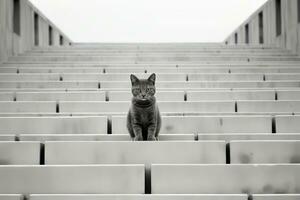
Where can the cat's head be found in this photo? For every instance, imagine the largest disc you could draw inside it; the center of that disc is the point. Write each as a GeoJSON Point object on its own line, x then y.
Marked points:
{"type": "Point", "coordinates": [143, 89]}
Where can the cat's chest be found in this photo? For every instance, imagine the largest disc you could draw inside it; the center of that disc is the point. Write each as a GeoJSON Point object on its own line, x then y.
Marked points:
{"type": "Point", "coordinates": [144, 115]}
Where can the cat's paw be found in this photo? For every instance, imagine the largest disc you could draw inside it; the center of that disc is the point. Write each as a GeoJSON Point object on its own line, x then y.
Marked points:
{"type": "Point", "coordinates": [138, 138]}
{"type": "Point", "coordinates": [151, 138]}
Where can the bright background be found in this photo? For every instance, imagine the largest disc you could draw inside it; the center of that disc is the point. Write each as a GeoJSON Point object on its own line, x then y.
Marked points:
{"type": "Point", "coordinates": [148, 20]}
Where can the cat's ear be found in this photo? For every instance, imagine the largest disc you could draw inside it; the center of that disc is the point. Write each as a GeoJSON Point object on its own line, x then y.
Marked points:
{"type": "Point", "coordinates": [152, 78]}
{"type": "Point", "coordinates": [134, 79]}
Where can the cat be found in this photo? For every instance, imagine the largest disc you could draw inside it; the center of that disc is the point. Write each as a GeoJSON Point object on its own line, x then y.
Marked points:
{"type": "Point", "coordinates": [143, 119]}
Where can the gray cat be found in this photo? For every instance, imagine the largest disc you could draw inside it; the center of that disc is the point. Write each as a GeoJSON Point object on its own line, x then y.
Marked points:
{"type": "Point", "coordinates": [143, 119]}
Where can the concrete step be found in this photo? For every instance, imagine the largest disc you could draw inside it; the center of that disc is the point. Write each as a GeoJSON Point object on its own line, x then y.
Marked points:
{"type": "Point", "coordinates": [225, 95]}
{"type": "Point", "coordinates": [156, 52]}
{"type": "Point", "coordinates": [110, 70]}
{"type": "Point", "coordinates": [96, 179]}
{"type": "Point", "coordinates": [143, 69]}
{"type": "Point", "coordinates": [226, 77]}
{"type": "Point", "coordinates": [205, 70]}
{"type": "Point", "coordinates": [7, 96]}
{"type": "Point", "coordinates": [164, 107]}
{"type": "Point", "coordinates": [204, 84]}
{"type": "Point", "coordinates": [160, 47]}
{"type": "Point", "coordinates": [87, 65]}
{"type": "Point", "coordinates": [96, 137]}
{"type": "Point", "coordinates": [27, 107]}
{"type": "Point", "coordinates": [11, 197]}
{"type": "Point", "coordinates": [90, 54]}
{"type": "Point", "coordinates": [205, 124]}
{"type": "Point", "coordinates": [85, 96]}
{"type": "Point", "coordinates": [276, 196]}
{"type": "Point", "coordinates": [287, 124]}
{"type": "Point", "coordinates": [22, 90]}
{"type": "Point", "coordinates": [141, 197]}
{"type": "Point", "coordinates": [161, 77]}
{"type": "Point", "coordinates": [253, 136]}
{"type": "Point", "coordinates": [268, 106]}
{"type": "Point", "coordinates": [282, 76]}
{"type": "Point", "coordinates": [186, 48]}
{"type": "Point", "coordinates": [225, 179]}
{"type": "Point", "coordinates": [157, 46]}
{"type": "Point", "coordinates": [8, 70]}
{"type": "Point", "coordinates": [288, 95]}
{"type": "Point", "coordinates": [48, 84]}
{"type": "Point", "coordinates": [8, 137]}
{"type": "Point", "coordinates": [51, 90]}
{"type": "Point", "coordinates": [87, 153]}
{"type": "Point", "coordinates": [19, 153]}
{"type": "Point", "coordinates": [163, 114]}
{"type": "Point", "coordinates": [86, 56]}
{"type": "Point", "coordinates": [230, 95]}
{"type": "Point", "coordinates": [181, 64]}
{"type": "Point", "coordinates": [46, 69]}
{"type": "Point", "coordinates": [162, 137]}
{"type": "Point", "coordinates": [264, 69]}
{"type": "Point", "coordinates": [168, 197]}
{"type": "Point", "coordinates": [53, 125]}
{"type": "Point", "coordinates": [152, 59]}
{"type": "Point", "coordinates": [263, 152]}
{"type": "Point", "coordinates": [60, 96]}
{"type": "Point", "coordinates": [121, 77]}
{"type": "Point", "coordinates": [129, 60]}
{"type": "Point", "coordinates": [29, 77]}
{"type": "Point", "coordinates": [178, 85]}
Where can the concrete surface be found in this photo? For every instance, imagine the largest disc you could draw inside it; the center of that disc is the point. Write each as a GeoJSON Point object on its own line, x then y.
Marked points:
{"type": "Point", "coordinates": [19, 153]}
{"type": "Point", "coordinates": [224, 179]}
{"type": "Point", "coordinates": [276, 197]}
{"type": "Point", "coordinates": [60, 96]}
{"type": "Point", "coordinates": [205, 124]}
{"type": "Point", "coordinates": [268, 106]}
{"type": "Point", "coordinates": [230, 95]}
{"type": "Point", "coordinates": [11, 197]}
{"type": "Point", "coordinates": [139, 197]}
{"type": "Point", "coordinates": [287, 124]}
{"type": "Point", "coordinates": [68, 153]}
{"type": "Point", "coordinates": [252, 152]}
{"type": "Point", "coordinates": [53, 125]}
{"type": "Point", "coordinates": [101, 179]}
{"type": "Point", "coordinates": [26, 107]}
{"type": "Point", "coordinates": [95, 137]}
{"type": "Point", "coordinates": [123, 107]}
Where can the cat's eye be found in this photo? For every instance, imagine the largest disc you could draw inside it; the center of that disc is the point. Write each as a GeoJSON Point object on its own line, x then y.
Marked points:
{"type": "Point", "coordinates": [150, 90]}
{"type": "Point", "coordinates": [136, 91]}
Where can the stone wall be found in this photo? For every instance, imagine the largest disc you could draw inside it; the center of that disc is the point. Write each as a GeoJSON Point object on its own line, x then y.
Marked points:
{"type": "Point", "coordinates": [286, 35]}
{"type": "Point", "coordinates": [17, 29]}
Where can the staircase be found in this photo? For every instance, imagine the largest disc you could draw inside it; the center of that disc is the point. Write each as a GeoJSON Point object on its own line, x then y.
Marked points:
{"type": "Point", "coordinates": [230, 127]}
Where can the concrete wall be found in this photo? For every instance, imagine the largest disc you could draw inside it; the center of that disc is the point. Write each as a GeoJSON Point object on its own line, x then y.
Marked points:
{"type": "Point", "coordinates": [290, 29]}
{"type": "Point", "coordinates": [13, 44]}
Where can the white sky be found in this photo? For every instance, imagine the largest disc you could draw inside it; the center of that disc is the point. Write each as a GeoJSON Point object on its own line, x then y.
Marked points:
{"type": "Point", "coordinates": [148, 20]}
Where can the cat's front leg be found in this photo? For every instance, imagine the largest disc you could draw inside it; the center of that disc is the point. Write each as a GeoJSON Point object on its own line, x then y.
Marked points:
{"type": "Point", "coordinates": [137, 129]}
{"type": "Point", "coordinates": [151, 132]}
